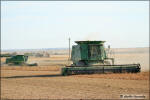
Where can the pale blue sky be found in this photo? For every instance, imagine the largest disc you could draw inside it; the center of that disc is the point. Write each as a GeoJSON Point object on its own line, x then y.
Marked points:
{"type": "Point", "coordinates": [49, 24]}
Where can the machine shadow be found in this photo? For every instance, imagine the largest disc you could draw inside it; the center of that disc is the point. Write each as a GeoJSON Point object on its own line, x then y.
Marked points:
{"type": "Point", "coordinates": [31, 76]}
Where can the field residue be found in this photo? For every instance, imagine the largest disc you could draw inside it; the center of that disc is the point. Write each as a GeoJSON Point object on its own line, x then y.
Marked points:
{"type": "Point", "coordinates": [35, 68]}
{"type": "Point", "coordinates": [125, 76]}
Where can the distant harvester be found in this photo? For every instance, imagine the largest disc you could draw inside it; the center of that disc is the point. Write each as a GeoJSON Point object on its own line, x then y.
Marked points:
{"type": "Point", "coordinates": [19, 60]}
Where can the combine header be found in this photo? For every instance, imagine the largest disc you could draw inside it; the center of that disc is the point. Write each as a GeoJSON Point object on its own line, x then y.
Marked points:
{"type": "Point", "coordinates": [90, 57]}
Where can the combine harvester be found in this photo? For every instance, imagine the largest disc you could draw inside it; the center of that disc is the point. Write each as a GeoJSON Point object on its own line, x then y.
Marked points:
{"type": "Point", "coordinates": [19, 60]}
{"type": "Point", "coordinates": [90, 57]}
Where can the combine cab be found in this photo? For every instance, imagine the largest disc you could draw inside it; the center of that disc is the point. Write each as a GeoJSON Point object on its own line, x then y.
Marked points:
{"type": "Point", "coordinates": [90, 57]}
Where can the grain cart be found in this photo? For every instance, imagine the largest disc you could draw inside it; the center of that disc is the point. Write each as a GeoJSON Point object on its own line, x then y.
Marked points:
{"type": "Point", "coordinates": [90, 57]}
{"type": "Point", "coordinates": [18, 60]}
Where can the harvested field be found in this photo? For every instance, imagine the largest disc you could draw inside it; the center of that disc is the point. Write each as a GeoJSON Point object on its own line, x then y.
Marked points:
{"type": "Point", "coordinates": [123, 76]}
{"type": "Point", "coordinates": [45, 82]}
{"type": "Point", "coordinates": [27, 68]}
{"type": "Point", "coordinates": [50, 84]}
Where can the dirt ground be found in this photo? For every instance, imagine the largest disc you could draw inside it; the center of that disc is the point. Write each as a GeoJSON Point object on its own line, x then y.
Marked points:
{"type": "Point", "coordinates": [45, 81]}
{"type": "Point", "coordinates": [17, 84]}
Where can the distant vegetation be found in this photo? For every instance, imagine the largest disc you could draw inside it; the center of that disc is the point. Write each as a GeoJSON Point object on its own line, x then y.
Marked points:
{"type": "Point", "coordinates": [8, 54]}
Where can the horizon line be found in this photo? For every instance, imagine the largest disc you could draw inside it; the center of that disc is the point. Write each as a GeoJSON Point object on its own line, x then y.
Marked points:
{"type": "Point", "coordinates": [61, 48]}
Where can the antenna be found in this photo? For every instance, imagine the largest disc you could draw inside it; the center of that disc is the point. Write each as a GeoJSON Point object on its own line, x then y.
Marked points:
{"type": "Point", "coordinates": [69, 49]}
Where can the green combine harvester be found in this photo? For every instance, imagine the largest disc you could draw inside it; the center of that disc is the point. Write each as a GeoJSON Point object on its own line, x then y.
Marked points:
{"type": "Point", "coordinates": [90, 57]}
{"type": "Point", "coordinates": [19, 60]}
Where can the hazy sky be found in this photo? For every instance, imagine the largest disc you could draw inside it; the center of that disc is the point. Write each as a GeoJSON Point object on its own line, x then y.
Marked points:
{"type": "Point", "coordinates": [49, 24]}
